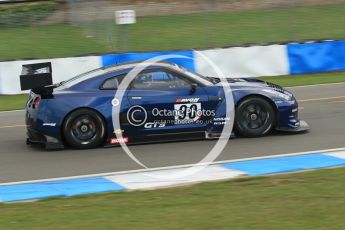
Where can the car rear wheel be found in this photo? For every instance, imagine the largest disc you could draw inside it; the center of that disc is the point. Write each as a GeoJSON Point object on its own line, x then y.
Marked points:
{"type": "Point", "coordinates": [254, 117]}
{"type": "Point", "coordinates": [84, 128]}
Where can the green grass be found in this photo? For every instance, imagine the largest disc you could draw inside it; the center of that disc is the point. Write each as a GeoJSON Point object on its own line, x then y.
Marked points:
{"type": "Point", "coordinates": [175, 32]}
{"type": "Point", "coordinates": [25, 13]}
{"type": "Point", "coordinates": [224, 29]}
{"type": "Point", "coordinates": [46, 41]}
{"type": "Point", "coordinates": [308, 200]}
{"type": "Point", "coordinates": [10, 102]}
{"type": "Point", "coordinates": [307, 79]}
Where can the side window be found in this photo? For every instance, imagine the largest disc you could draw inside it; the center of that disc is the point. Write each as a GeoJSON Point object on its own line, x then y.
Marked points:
{"type": "Point", "coordinates": [160, 79]}
{"type": "Point", "coordinates": [112, 83]}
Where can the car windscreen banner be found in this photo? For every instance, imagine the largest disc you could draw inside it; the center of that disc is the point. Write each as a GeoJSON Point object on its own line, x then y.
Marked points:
{"type": "Point", "coordinates": [35, 76]}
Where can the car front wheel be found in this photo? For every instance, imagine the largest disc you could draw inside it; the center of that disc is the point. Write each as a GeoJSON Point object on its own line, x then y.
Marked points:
{"type": "Point", "coordinates": [254, 117]}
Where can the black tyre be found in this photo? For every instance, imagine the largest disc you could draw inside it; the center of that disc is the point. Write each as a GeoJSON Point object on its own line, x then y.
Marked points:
{"type": "Point", "coordinates": [83, 129]}
{"type": "Point", "coordinates": [254, 117]}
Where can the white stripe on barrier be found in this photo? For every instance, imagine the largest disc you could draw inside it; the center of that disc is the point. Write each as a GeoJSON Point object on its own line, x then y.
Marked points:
{"type": "Point", "coordinates": [1, 81]}
{"type": "Point", "coordinates": [252, 61]}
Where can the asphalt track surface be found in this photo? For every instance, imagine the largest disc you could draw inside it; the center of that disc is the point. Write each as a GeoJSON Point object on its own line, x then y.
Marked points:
{"type": "Point", "coordinates": [323, 107]}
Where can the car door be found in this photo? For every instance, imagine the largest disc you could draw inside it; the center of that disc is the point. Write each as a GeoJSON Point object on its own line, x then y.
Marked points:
{"type": "Point", "coordinates": [164, 101]}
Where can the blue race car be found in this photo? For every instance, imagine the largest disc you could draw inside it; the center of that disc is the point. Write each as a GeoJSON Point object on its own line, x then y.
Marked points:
{"type": "Point", "coordinates": [163, 102]}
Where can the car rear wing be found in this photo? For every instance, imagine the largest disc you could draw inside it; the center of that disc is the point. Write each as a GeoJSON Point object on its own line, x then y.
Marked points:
{"type": "Point", "coordinates": [36, 76]}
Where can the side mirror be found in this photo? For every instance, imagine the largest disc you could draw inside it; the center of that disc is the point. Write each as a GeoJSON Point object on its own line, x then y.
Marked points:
{"type": "Point", "coordinates": [193, 87]}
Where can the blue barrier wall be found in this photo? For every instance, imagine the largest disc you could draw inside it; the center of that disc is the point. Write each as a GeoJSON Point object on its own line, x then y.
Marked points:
{"type": "Point", "coordinates": [255, 61]}
{"type": "Point", "coordinates": [187, 61]}
{"type": "Point", "coordinates": [316, 57]}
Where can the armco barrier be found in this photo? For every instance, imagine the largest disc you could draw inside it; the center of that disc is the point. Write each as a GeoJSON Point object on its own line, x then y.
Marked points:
{"type": "Point", "coordinates": [316, 57]}
{"type": "Point", "coordinates": [254, 61]}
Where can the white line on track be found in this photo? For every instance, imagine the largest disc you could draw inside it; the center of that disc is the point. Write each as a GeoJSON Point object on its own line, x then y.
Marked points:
{"type": "Point", "coordinates": [11, 126]}
{"type": "Point", "coordinates": [321, 99]}
{"type": "Point", "coordinates": [172, 167]}
{"type": "Point", "coordinates": [315, 85]}
{"type": "Point", "coordinates": [12, 111]}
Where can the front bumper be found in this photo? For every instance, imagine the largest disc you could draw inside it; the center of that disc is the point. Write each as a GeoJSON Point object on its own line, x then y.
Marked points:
{"type": "Point", "coordinates": [303, 127]}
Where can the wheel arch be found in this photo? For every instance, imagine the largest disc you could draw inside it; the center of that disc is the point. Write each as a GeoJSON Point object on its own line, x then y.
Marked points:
{"type": "Point", "coordinates": [269, 100]}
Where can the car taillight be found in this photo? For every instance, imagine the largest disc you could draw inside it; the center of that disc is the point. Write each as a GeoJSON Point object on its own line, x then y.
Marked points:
{"type": "Point", "coordinates": [36, 102]}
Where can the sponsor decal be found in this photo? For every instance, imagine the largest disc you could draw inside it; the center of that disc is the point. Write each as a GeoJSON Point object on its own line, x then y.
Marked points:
{"type": "Point", "coordinates": [190, 100]}
{"type": "Point", "coordinates": [49, 124]}
{"type": "Point", "coordinates": [151, 125]}
{"type": "Point", "coordinates": [118, 131]}
{"type": "Point", "coordinates": [114, 141]}
{"type": "Point", "coordinates": [220, 120]}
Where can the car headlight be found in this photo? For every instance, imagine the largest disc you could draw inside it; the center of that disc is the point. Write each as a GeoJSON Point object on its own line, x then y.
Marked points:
{"type": "Point", "coordinates": [286, 95]}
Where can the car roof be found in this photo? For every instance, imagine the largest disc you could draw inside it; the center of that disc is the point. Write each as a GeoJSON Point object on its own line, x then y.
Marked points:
{"type": "Point", "coordinates": [116, 67]}
{"type": "Point", "coordinates": [132, 64]}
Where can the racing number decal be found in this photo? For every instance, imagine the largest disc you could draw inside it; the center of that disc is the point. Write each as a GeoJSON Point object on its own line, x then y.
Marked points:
{"type": "Point", "coordinates": [187, 112]}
